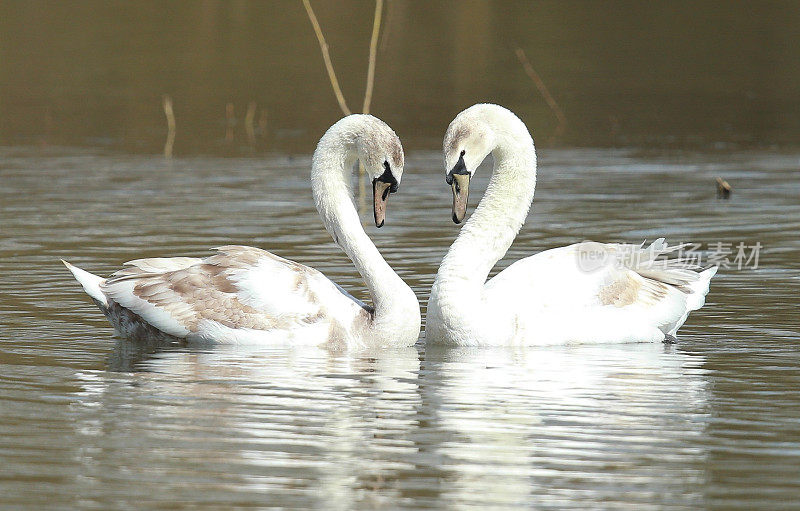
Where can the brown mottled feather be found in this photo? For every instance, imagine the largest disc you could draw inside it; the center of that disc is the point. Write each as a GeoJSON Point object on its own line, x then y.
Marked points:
{"type": "Point", "coordinates": [207, 291]}
{"type": "Point", "coordinates": [630, 288]}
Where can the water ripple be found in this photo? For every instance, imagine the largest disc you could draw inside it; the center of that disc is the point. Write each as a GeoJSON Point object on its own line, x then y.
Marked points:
{"type": "Point", "coordinates": [91, 422]}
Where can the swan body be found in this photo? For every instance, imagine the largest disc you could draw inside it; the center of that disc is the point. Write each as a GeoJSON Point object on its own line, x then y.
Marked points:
{"type": "Point", "coordinates": [583, 293]}
{"type": "Point", "coordinates": [248, 295]}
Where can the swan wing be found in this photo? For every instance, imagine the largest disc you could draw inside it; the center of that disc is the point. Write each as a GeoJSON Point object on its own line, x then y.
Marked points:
{"type": "Point", "coordinates": [600, 290]}
{"type": "Point", "coordinates": [238, 288]}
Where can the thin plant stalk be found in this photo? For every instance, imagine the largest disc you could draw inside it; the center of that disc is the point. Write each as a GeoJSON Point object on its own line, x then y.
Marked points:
{"type": "Point", "coordinates": [249, 127]}
{"type": "Point", "coordinates": [537, 80]}
{"type": "Point", "coordinates": [323, 46]}
{"type": "Point", "coordinates": [167, 101]}
{"type": "Point", "coordinates": [373, 49]}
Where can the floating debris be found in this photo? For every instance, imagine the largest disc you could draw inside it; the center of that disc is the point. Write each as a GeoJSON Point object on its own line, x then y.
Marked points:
{"type": "Point", "coordinates": [723, 189]}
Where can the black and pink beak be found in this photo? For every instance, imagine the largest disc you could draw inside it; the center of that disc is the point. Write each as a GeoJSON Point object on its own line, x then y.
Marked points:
{"type": "Point", "coordinates": [381, 188]}
{"type": "Point", "coordinates": [459, 178]}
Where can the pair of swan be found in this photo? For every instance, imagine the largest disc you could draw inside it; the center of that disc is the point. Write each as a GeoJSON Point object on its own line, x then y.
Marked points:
{"type": "Point", "coordinates": [583, 293]}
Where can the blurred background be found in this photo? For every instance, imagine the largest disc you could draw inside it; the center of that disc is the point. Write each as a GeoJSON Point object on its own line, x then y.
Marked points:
{"type": "Point", "coordinates": [694, 74]}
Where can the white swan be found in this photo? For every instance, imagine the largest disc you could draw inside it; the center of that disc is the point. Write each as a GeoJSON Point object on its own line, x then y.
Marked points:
{"type": "Point", "coordinates": [583, 293]}
{"type": "Point", "coordinates": [247, 295]}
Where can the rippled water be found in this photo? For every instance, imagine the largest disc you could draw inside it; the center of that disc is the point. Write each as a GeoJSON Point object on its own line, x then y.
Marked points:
{"type": "Point", "coordinates": [93, 422]}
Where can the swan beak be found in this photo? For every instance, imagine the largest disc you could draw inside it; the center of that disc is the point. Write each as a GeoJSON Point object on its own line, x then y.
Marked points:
{"type": "Point", "coordinates": [380, 194]}
{"type": "Point", "coordinates": [460, 184]}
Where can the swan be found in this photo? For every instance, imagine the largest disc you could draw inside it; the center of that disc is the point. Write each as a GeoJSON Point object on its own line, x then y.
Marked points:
{"type": "Point", "coordinates": [244, 294]}
{"type": "Point", "coordinates": [583, 293]}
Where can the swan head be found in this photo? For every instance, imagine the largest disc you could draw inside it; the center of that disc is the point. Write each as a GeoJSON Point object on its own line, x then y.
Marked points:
{"type": "Point", "coordinates": [364, 138]}
{"type": "Point", "coordinates": [468, 141]}
{"type": "Point", "coordinates": [381, 153]}
{"type": "Point", "coordinates": [473, 134]}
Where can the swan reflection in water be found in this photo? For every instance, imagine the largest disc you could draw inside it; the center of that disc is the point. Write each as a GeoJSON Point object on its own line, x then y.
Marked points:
{"type": "Point", "coordinates": [480, 427]}
{"type": "Point", "coordinates": [302, 423]}
{"type": "Point", "coordinates": [583, 424]}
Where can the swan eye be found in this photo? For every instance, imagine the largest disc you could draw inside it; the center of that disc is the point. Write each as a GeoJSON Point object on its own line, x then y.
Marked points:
{"type": "Point", "coordinates": [393, 181]}
{"type": "Point", "coordinates": [388, 177]}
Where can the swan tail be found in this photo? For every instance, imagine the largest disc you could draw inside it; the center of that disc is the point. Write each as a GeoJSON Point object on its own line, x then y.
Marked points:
{"type": "Point", "coordinates": [696, 296]}
{"type": "Point", "coordinates": [680, 272]}
{"type": "Point", "coordinates": [90, 283]}
{"type": "Point", "coordinates": [655, 262]}
{"type": "Point", "coordinates": [659, 262]}
{"type": "Point", "coordinates": [700, 287]}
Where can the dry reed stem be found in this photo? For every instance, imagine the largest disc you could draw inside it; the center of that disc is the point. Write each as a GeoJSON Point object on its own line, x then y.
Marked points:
{"type": "Point", "coordinates": [373, 47]}
{"type": "Point", "coordinates": [537, 80]}
{"type": "Point", "coordinates": [167, 101]}
{"type": "Point", "coordinates": [323, 46]}
{"type": "Point", "coordinates": [249, 127]}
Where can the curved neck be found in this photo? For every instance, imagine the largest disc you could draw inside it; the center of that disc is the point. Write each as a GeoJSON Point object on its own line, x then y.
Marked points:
{"type": "Point", "coordinates": [331, 170]}
{"type": "Point", "coordinates": [491, 229]}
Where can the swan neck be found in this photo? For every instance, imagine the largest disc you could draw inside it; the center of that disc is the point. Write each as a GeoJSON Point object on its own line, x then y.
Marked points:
{"type": "Point", "coordinates": [331, 172]}
{"type": "Point", "coordinates": [491, 229]}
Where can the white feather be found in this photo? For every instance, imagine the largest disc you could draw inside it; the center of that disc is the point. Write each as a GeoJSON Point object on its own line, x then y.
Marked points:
{"type": "Point", "coordinates": [90, 283]}
{"type": "Point", "coordinates": [162, 264]}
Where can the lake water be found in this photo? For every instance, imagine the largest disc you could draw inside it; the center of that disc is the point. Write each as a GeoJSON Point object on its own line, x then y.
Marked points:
{"type": "Point", "coordinates": [88, 421]}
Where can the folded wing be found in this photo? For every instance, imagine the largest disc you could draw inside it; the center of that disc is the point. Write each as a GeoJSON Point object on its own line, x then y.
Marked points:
{"type": "Point", "coordinates": [238, 288]}
{"type": "Point", "coordinates": [610, 285]}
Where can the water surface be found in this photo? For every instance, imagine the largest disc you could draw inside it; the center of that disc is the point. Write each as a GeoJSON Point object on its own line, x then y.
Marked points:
{"type": "Point", "coordinates": [93, 422]}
